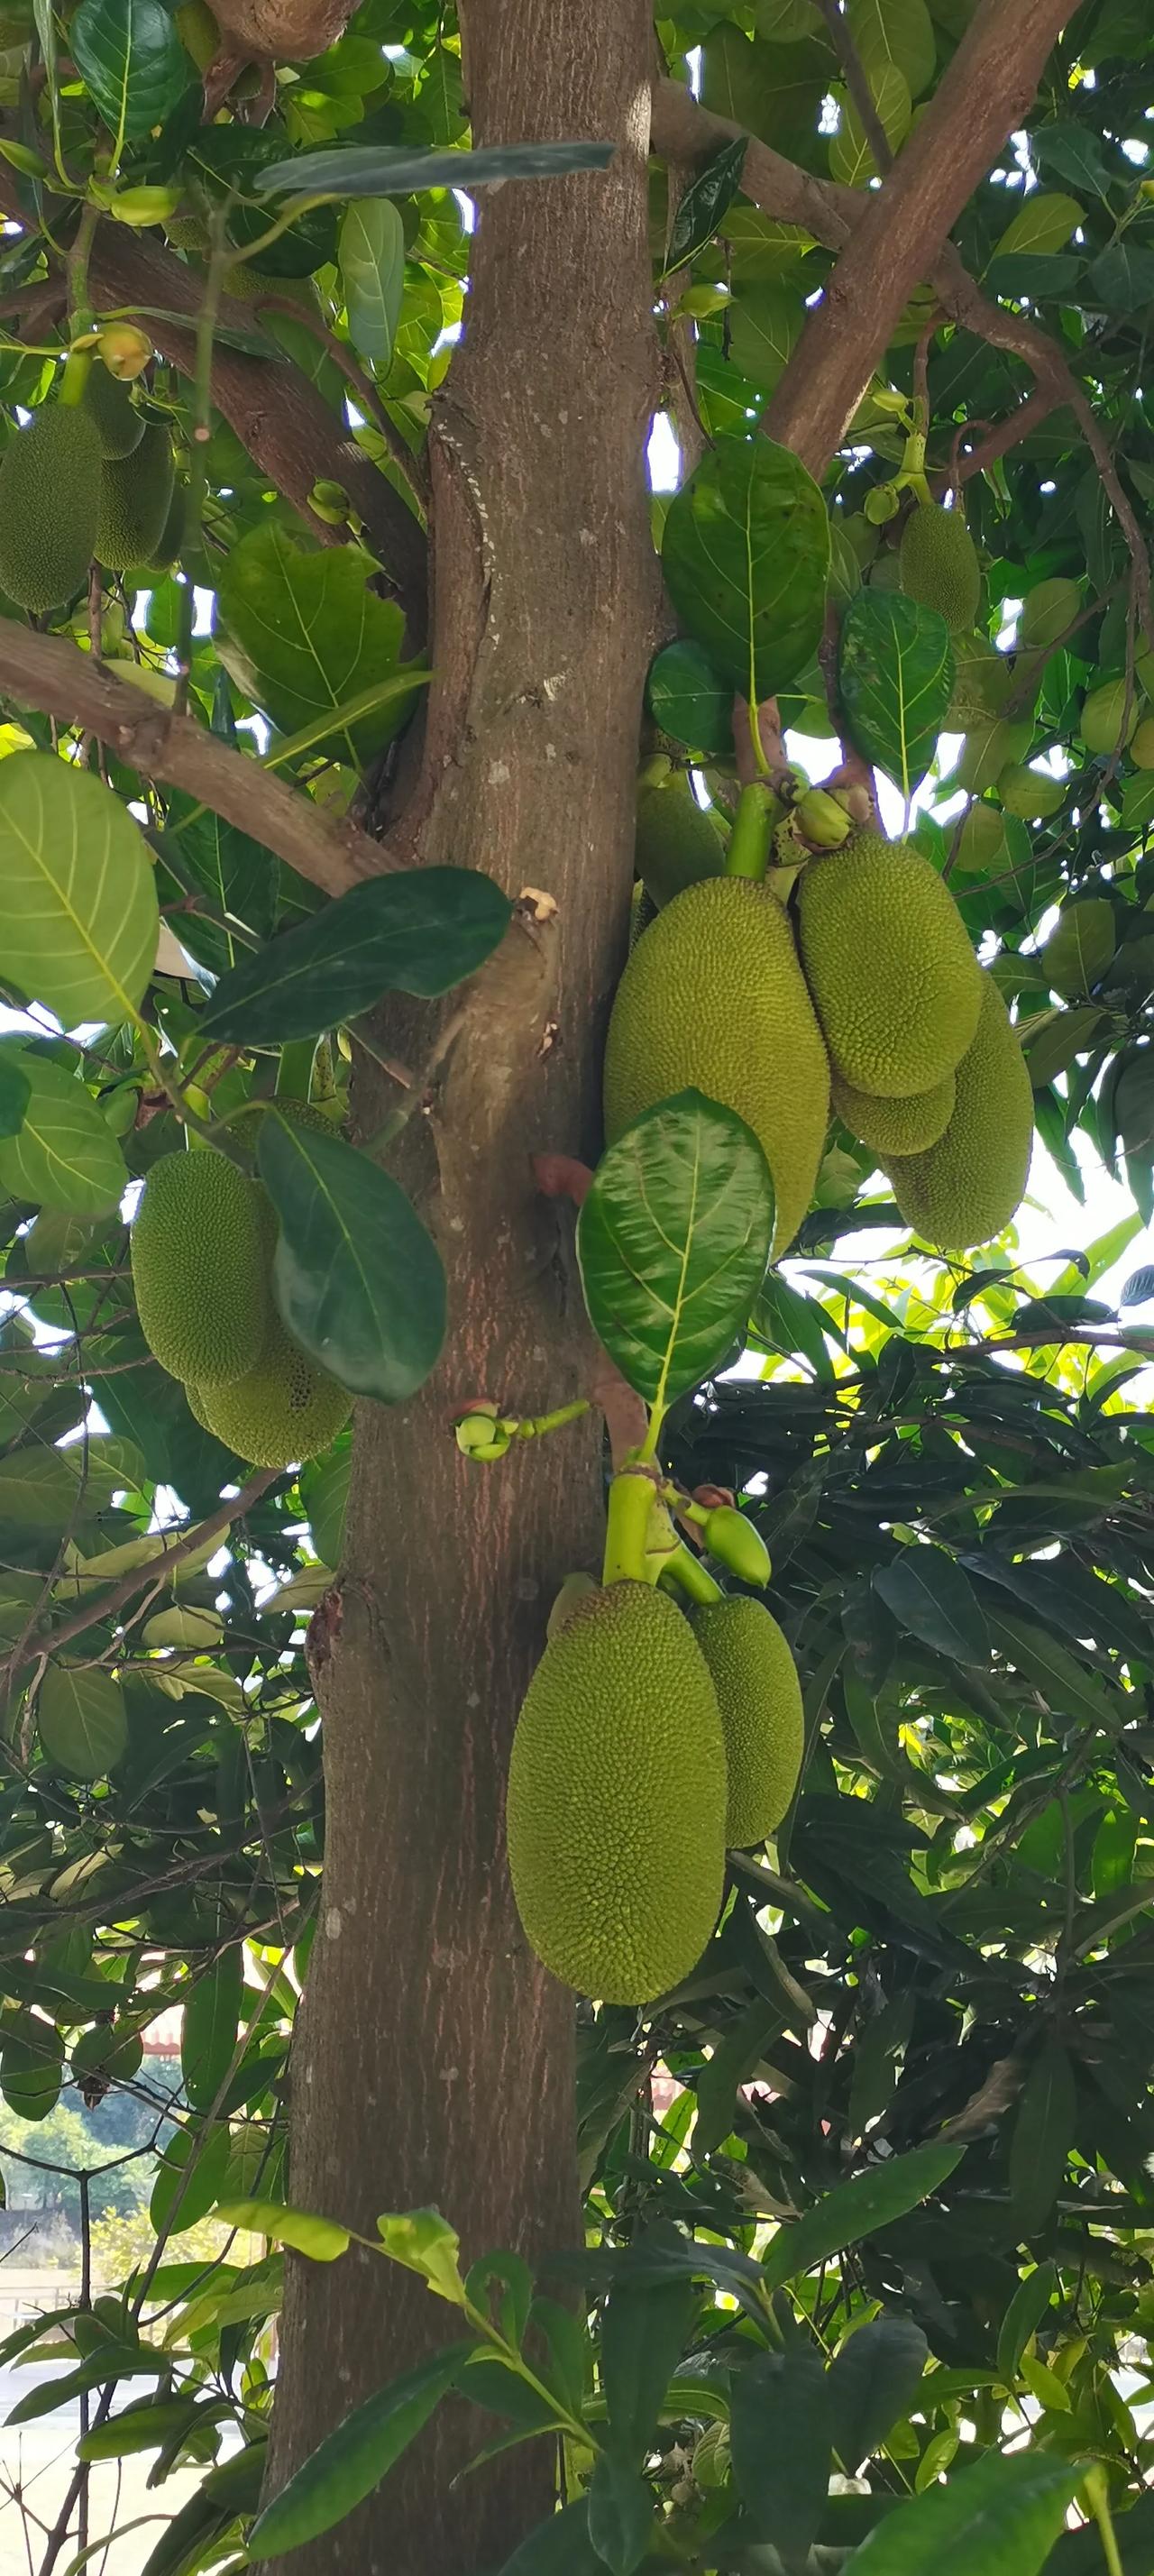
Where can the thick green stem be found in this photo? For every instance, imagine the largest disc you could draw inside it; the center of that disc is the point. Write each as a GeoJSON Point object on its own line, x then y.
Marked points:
{"type": "Point", "coordinates": [685, 1571]}
{"type": "Point", "coordinates": [630, 1502]}
{"type": "Point", "coordinates": [748, 851]}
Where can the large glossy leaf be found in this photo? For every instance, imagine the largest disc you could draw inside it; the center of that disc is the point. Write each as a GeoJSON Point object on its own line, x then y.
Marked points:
{"type": "Point", "coordinates": [620, 2508]}
{"type": "Point", "coordinates": [896, 679]}
{"type": "Point", "coordinates": [642, 2335]}
{"type": "Point", "coordinates": [690, 699]}
{"type": "Point", "coordinates": [324, 1489]}
{"type": "Point", "coordinates": [1024, 2314]}
{"type": "Point", "coordinates": [80, 913]}
{"type": "Point", "coordinates": [65, 1155]}
{"type": "Point", "coordinates": [357, 1277]}
{"type": "Point", "coordinates": [764, 325]}
{"type": "Point", "coordinates": [211, 2020]}
{"type": "Point", "coordinates": [781, 2431]}
{"type": "Point", "coordinates": [131, 59]}
{"type": "Point", "coordinates": [302, 635]}
{"type": "Point", "coordinates": [15, 1091]}
{"type": "Point", "coordinates": [999, 2518]}
{"type": "Point", "coordinates": [873, 2381]}
{"type": "Point", "coordinates": [1043, 2134]}
{"type": "Point", "coordinates": [702, 205]}
{"type": "Point", "coordinates": [894, 32]}
{"type": "Point", "coordinates": [371, 258]}
{"type": "Point", "coordinates": [1071, 1691]}
{"type": "Point", "coordinates": [857, 2208]}
{"type": "Point", "coordinates": [746, 558]}
{"type": "Point", "coordinates": [421, 931]}
{"type": "Point", "coordinates": [673, 1241]}
{"type": "Point", "coordinates": [559, 2547]}
{"type": "Point", "coordinates": [935, 1601]}
{"type": "Point", "coordinates": [380, 170]}
{"type": "Point", "coordinates": [81, 1720]}
{"type": "Point", "coordinates": [773, 90]}
{"type": "Point", "coordinates": [355, 2458]}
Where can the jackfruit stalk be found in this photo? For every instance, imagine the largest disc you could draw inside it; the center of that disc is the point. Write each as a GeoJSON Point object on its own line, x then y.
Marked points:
{"type": "Point", "coordinates": [888, 960]}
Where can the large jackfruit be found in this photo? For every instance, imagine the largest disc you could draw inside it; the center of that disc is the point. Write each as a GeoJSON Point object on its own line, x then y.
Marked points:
{"type": "Point", "coordinates": [888, 960]}
{"type": "Point", "coordinates": [282, 1410]}
{"type": "Point", "coordinates": [939, 563]}
{"type": "Point", "coordinates": [895, 1126]}
{"type": "Point", "coordinates": [49, 496]}
{"type": "Point", "coordinates": [762, 1720]}
{"type": "Point", "coordinates": [968, 1185]}
{"type": "Point", "coordinates": [617, 1797]}
{"type": "Point", "coordinates": [676, 843]}
{"type": "Point", "coordinates": [200, 1263]}
{"type": "Point", "coordinates": [119, 425]}
{"type": "Point", "coordinates": [135, 499]}
{"type": "Point", "coordinates": [713, 999]}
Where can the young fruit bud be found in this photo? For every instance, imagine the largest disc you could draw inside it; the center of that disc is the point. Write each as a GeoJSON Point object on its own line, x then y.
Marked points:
{"type": "Point", "coordinates": [481, 1434]}
{"type": "Point", "coordinates": [124, 349]}
{"type": "Point", "coordinates": [821, 820]}
{"type": "Point", "coordinates": [882, 504]}
{"type": "Point", "coordinates": [702, 300]}
{"type": "Point", "coordinates": [142, 206]}
{"type": "Point", "coordinates": [330, 502]}
{"type": "Point", "coordinates": [733, 1540]}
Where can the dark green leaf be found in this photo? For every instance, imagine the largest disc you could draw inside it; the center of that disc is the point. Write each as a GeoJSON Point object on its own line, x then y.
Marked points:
{"type": "Point", "coordinates": [15, 1092]}
{"type": "Point", "coordinates": [1071, 152]}
{"type": "Point", "coordinates": [690, 700]}
{"type": "Point", "coordinates": [704, 202]}
{"type": "Point", "coordinates": [781, 2419]}
{"type": "Point", "coordinates": [1042, 2138]}
{"type": "Point", "coordinates": [357, 1277]}
{"type": "Point", "coordinates": [673, 1241]}
{"type": "Point", "coordinates": [378, 170]}
{"type": "Point", "coordinates": [873, 2381]}
{"type": "Point", "coordinates": [559, 2547]}
{"type": "Point", "coordinates": [857, 2208]}
{"type": "Point", "coordinates": [324, 1486]}
{"type": "Point", "coordinates": [1138, 1289]}
{"type": "Point", "coordinates": [81, 1720]}
{"type": "Point", "coordinates": [999, 2518]}
{"type": "Point", "coordinates": [190, 2175]}
{"type": "Point", "coordinates": [131, 60]}
{"type": "Point", "coordinates": [372, 265]}
{"type": "Point", "coordinates": [765, 325]}
{"type": "Point", "coordinates": [1042, 276]}
{"type": "Point", "coordinates": [643, 2331]}
{"type": "Point", "coordinates": [746, 557]}
{"type": "Point", "coordinates": [211, 2020]}
{"type": "Point", "coordinates": [303, 636]}
{"type": "Point", "coordinates": [896, 679]}
{"type": "Point", "coordinates": [620, 2507]}
{"type": "Point", "coordinates": [1122, 278]}
{"type": "Point", "coordinates": [354, 2459]}
{"type": "Point", "coordinates": [935, 1601]}
{"type": "Point", "coordinates": [1022, 2318]}
{"type": "Point", "coordinates": [1071, 1691]}
{"type": "Point", "coordinates": [421, 931]}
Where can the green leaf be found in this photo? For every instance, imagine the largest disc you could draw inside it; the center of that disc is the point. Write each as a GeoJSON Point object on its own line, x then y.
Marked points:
{"type": "Point", "coordinates": [894, 32]}
{"type": "Point", "coordinates": [673, 1242]}
{"type": "Point", "coordinates": [746, 553]}
{"type": "Point", "coordinates": [320, 2238]}
{"type": "Point", "coordinates": [772, 90]}
{"type": "Point", "coordinates": [31, 2074]}
{"type": "Point", "coordinates": [1042, 2137]}
{"type": "Point", "coordinates": [190, 2173]}
{"type": "Point", "coordinates": [896, 679]}
{"type": "Point", "coordinates": [132, 62]}
{"type": "Point", "coordinates": [999, 2518]}
{"type": "Point", "coordinates": [302, 635]}
{"type": "Point", "coordinates": [643, 2331]}
{"type": "Point", "coordinates": [81, 1720]}
{"type": "Point", "coordinates": [371, 258]}
{"type": "Point", "coordinates": [1080, 946]}
{"type": "Point", "coordinates": [1070, 1690]}
{"type": "Point", "coordinates": [559, 2547]}
{"type": "Point", "coordinates": [1042, 224]}
{"type": "Point", "coordinates": [780, 2436]}
{"type": "Point", "coordinates": [873, 2381]}
{"type": "Point", "coordinates": [764, 324]}
{"type": "Point", "coordinates": [703, 204]}
{"type": "Point", "coordinates": [15, 1091]}
{"type": "Point", "coordinates": [211, 2021]}
{"type": "Point", "coordinates": [424, 2242]}
{"type": "Point", "coordinates": [1121, 279]}
{"type": "Point", "coordinates": [620, 2509]}
{"type": "Point", "coordinates": [421, 931]}
{"type": "Point", "coordinates": [1059, 1041]}
{"type": "Point", "coordinates": [379, 170]}
{"type": "Point", "coordinates": [690, 700]}
{"type": "Point", "coordinates": [65, 1155]}
{"type": "Point", "coordinates": [357, 1277]}
{"type": "Point", "coordinates": [936, 1602]}
{"type": "Point", "coordinates": [324, 1488]}
{"type": "Point", "coordinates": [354, 2459]}
{"type": "Point", "coordinates": [851, 155]}
{"type": "Point", "coordinates": [857, 2208]}
{"type": "Point", "coordinates": [1022, 2318]}
{"type": "Point", "coordinates": [81, 920]}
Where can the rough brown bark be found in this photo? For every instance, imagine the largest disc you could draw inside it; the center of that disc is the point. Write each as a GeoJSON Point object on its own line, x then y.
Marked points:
{"type": "Point", "coordinates": [434, 2062]}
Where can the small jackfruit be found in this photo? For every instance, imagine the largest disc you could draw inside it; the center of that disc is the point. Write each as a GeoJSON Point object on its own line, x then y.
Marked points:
{"type": "Point", "coordinates": [1106, 721]}
{"type": "Point", "coordinates": [677, 843]}
{"type": "Point", "coordinates": [284, 1409]}
{"type": "Point", "coordinates": [119, 425]}
{"type": "Point", "coordinates": [1032, 793]}
{"type": "Point", "coordinates": [939, 563]}
{"type": "Point", "coordinates": [200, 1263]}
{"type": "Point", "coordinates": [135, 498]}
{"type": "Point", "coordinates": [762, 1721]}
{"type": "Point", "coordinates": [895, 1126]}
{"type": "Point", "coordinates": [967, 1187]}
{"type": "Point", "coordinates": [1047, 611]}
{"type": "Point", "coordinates": [617, 1798]}
{"type": "Point", "coordinates": [888, 960]}
{"type": "Point", "coordinates": [713, 999]}
{"type": "Point", "coordinates": [49, 497]}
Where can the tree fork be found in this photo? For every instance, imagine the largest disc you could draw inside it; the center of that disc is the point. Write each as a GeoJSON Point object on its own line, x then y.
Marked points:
{"type": "Point", "coordinates": [434, 2061]}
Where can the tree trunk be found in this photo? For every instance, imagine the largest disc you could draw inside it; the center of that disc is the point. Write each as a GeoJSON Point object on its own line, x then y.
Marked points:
{"type": "Point", "coordinates": [434, 2059]}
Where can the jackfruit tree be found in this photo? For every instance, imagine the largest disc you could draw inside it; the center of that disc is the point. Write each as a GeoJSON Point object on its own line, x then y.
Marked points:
{"type": "Point", "coordinates": [574, 1500]}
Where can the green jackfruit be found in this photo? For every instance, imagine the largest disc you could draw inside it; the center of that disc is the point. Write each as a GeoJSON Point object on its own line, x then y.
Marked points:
{"type": "Point", "coordinates": [888, 960]}
{"type": "Point", "coordinates": [713, 999]}
{"type": "Point", "coordinates": [939, 563]}
{"type": "Point", "coordinates": [967, 1187]}
{"type": "Point", "coordinates": [135, 499]}
{"type": "Point", "coordinates": [282, 1410]}
{"type": "Point", "coordinates": [49, 497]}
{"type": "Point", "coordinates": [200, 1265]}
{"type": "Point", "coordinates": [896, 1126]}
{"type": "Point", "coordinates": [119, 425]}
{"type": "Point", "coordinates": [676, 842]}
{"type": "Point", "coordinates": [1106, 723]}
{"type": "Point", "coordinates": [759, 1696]}
{"type": "Point", "coordinates": [617, 1796]}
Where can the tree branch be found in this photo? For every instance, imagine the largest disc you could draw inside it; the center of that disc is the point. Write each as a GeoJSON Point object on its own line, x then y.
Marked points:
{"type": "Point", "coordinates": [54, 676]}
{"type": "Point", "coordinates": [159, 1567]}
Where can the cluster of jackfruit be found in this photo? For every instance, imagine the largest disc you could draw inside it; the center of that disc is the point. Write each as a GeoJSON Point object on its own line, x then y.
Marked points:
{"type": "Point", "coordinates": [88, 478]}
{"type": "Point", "coordinates": [645, 1744]}
{"type": "Point", "coordinates": [202, 1246]}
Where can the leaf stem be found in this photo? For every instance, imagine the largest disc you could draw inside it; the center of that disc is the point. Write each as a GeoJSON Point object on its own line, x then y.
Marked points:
{"type": "Point", "coordinates": [748, 851]}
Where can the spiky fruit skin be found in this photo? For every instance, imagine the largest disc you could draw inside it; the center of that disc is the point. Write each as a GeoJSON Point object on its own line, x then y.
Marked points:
{"type": "Point", "coordinates": [49, 496]}
{"type": "Point", "coordinates": [713, 999]}
{"type": "Point", "coordinates": [617, 1798]}
{"type": "Point", "coordinates": [135, 499]}
{"type": "Point", "coordinates": [200, 1268]}
{"type": "Point", "coordinates": [967, 1187]}
{"type": "Point", "coordinates": [676, 843]}
{"type": "Point", "coordinates": [282, 1410]}
{"type": "Point", "coordinates": [119, 425]}
{"type": "Point", "coordinates": [939, 564]}
{"type": "Point", "coordinates": [888, 960]}
{"type": "Point", "coordinates": [896, 1126]}
{"type": "Point", "coordinates": [762, 1720]}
